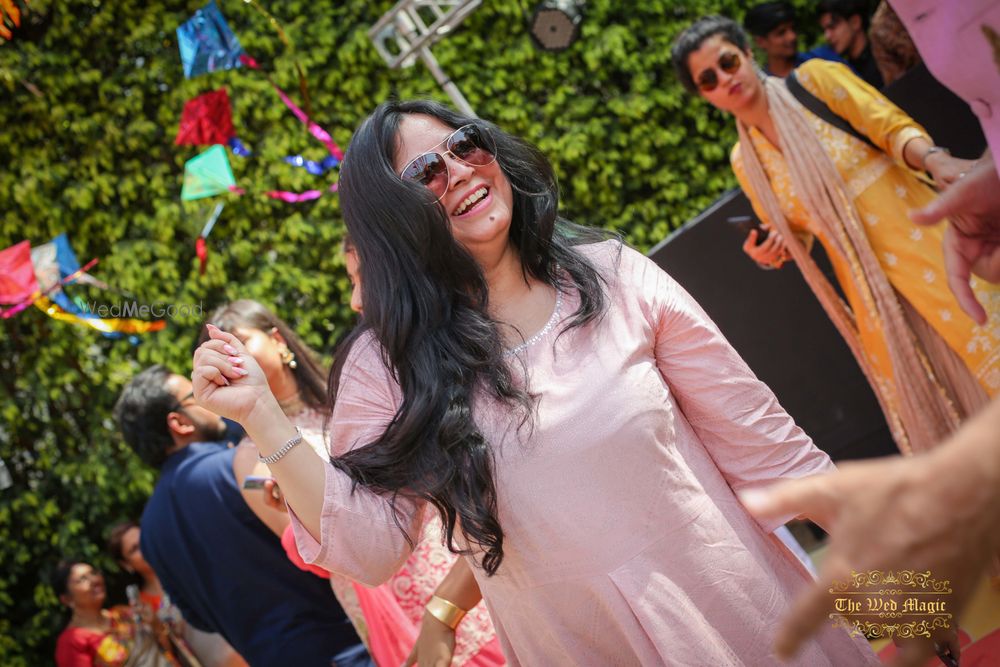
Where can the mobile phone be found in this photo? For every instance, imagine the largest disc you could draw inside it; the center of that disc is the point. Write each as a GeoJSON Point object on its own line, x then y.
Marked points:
{"type": "Point", "coordinates": [946, 658]}
{"type": "Point", "coordinates": [255, 482]}
{"type": "Point", "coordinates": [746, 223]}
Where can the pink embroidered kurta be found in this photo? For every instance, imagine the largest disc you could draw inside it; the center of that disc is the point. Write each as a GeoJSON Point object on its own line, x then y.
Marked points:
{"type": "Point", "coordinates": [624, 542]}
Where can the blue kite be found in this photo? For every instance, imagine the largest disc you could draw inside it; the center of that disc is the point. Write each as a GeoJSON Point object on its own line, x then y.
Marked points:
{"type": "Point", "coordinates": [207, 44]}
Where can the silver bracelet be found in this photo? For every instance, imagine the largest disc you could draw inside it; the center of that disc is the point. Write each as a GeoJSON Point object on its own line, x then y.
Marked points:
{"type": "Point", "coordinates": [285, 448]}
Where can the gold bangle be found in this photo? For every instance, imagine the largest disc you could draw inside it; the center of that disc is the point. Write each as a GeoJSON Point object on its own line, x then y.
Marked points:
{"type": "Point", "coordinates": [447, 612]}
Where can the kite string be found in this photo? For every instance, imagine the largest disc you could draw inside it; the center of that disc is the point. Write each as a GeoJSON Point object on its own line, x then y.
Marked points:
{"type": "Point", "coordinates": [314, 128]}
{"type": "Point", "coordinates": [303, 87]}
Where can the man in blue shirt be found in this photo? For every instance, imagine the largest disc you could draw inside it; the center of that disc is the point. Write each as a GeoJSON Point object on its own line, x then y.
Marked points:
{"type": "Point", "coordinates": [772, 26]}
{"type": "Point", "coordinates": [222, 566]}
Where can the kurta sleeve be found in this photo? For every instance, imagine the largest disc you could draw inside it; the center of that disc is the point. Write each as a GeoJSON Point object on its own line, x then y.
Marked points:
{"type": "Point", "coordinates": [359, 535]}
{"type": "Point", "coordinates": [868, 110]}
{"type": "Point", "coordinates": [751, 438]}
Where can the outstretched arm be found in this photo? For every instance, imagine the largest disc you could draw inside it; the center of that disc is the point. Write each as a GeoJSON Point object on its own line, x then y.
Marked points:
{"type": "Point", "coordinates": [936, 511]}
{"type": "Point", "coordinates": [750, 437]}
{"type": "Point", "coordinates": [351, 532]}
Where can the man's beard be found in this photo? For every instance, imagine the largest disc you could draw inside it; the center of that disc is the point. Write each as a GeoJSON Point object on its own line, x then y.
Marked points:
{"type": "Point", "coordinates": [213, 432]}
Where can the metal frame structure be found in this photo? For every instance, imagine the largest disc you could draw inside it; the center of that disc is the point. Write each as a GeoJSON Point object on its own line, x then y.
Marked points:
{"type": "Point", "coordinates": [411, 27]}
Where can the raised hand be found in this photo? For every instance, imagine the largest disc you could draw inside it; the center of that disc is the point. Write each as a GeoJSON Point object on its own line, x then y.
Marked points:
{"type": "Point", "coordinates": [227, 379]}
{"type": "Point", "coordinates": [935, 511]}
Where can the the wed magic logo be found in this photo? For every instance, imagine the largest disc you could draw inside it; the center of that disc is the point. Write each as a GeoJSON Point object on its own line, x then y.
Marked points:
{"type": "Point", "coordinates": [901, 604]}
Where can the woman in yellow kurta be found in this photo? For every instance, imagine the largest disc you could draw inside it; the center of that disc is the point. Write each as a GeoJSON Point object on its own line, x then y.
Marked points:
{"type": "Point", "coordinates": [930, 364]}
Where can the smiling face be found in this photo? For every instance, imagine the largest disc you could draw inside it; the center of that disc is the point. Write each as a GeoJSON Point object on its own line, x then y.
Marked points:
{"type": "Point", "coordinates": [84, 588]}
{"type": "Point", "coordinates": [478, 200]}
{"type": "Point", "coordinates": [735, 91]}
{"type": "Point", "coordinates": [781, 42]}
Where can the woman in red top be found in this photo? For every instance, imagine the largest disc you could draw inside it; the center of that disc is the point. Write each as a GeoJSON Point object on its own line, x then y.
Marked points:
{"type": "Point", "coordinates": [94, 636]}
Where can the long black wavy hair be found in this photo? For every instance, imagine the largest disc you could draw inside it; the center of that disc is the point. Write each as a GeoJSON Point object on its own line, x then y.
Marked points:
{"type": "Point", "coordinates": [426, 301]}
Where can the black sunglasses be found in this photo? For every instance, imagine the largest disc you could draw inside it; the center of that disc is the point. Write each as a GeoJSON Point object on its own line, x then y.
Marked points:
{"type": "Point", "coordinates": [728, 63]}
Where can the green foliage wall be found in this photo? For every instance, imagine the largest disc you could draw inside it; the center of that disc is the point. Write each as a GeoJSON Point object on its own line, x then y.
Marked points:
{"type": "Point", "coordinates": [91, 98]}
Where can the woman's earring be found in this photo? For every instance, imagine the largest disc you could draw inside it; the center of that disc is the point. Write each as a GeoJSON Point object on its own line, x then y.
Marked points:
{"type": "Point", "coordinates": [288, 358]}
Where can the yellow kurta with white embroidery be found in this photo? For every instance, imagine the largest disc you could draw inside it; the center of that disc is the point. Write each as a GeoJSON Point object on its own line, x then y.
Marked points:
{"type": "Point", "coordinates": [884, 192]}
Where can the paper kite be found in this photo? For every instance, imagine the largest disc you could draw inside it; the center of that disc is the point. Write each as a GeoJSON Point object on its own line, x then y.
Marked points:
{"type": "Point", "coordinates": [208, 174]}
{"type": "Point", "coordinates": [37, 276]}
{"type": "Point", "coordinates": [56, 265]}
{"type": "Point", "coordinates": [206, 120]}
{"type": "Point", "coordinates": [207, 44]}
{"type": "Point", "coordinates": [17, 275]}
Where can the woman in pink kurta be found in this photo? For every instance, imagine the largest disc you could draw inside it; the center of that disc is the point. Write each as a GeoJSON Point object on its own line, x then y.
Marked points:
{"type": "Point", "coordinates": [626, 543]}
{"type": "Point", "coordinates": [623, 539]}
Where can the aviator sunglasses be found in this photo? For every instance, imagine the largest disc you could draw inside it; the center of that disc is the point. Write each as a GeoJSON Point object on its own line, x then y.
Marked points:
{"type": "Point", "coordinates": [470, 144]}
{"type": "Point", "coordinates": [728, 63]}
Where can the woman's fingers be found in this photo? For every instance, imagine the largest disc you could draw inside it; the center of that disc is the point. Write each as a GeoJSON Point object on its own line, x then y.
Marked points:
{"type": "Point", "coordinates": [230, 343]}
{"type": "Point", "coordinates": [216, 368]}
{"type": "Point", "coordinates": [225, 364]}
{"type": "Point", "coordinates": [769, 252]}
{"type": "Point", "coordinates": [272, 496]}
{"type": "Point", "coordinates": [202, 376]}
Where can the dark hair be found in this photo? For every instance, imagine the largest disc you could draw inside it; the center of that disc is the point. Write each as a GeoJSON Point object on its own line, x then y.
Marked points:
{"type": "Point", "coordinates": [60, 576]}
{"type": "Point", "coordinates": [141, 413]}
{"type": "Point", "coordinates": [426, 304]}
{"type": "Point", "coordinates": [761, 19]}
{"type": "Point", "coordinates": [691, 39]}
{"type": "Point", "coordinates": [310, 376]}
{"type": "Point", "coordinates": [116, 536]}
{"type": "Point", "coordinates": [845, 9]}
